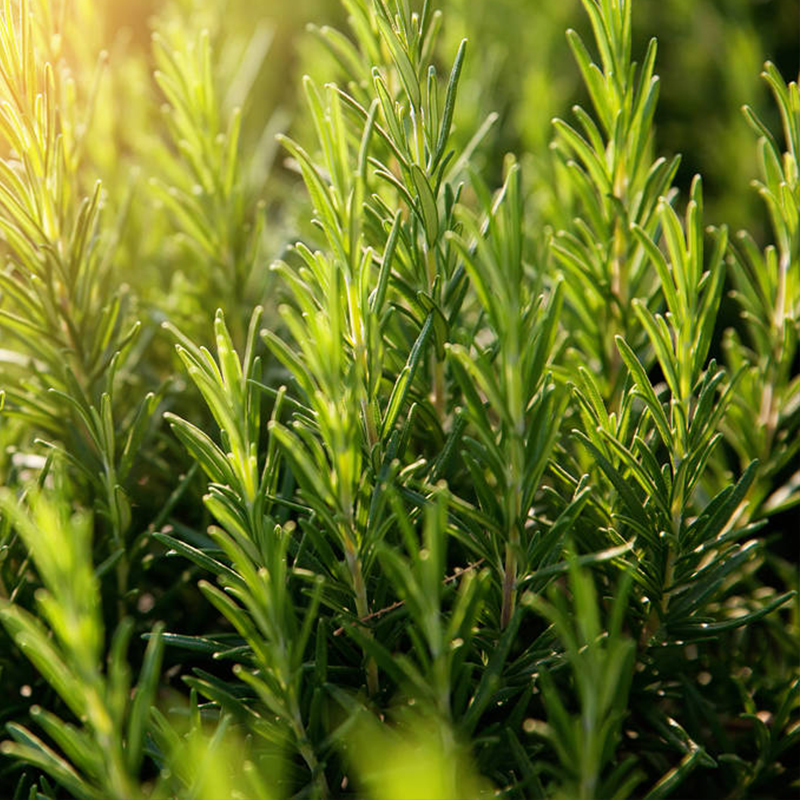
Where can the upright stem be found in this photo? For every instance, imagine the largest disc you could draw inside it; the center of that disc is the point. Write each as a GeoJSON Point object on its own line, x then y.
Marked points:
{"type": "Point", "coordinates": [438, 387]}
{"type": "Point", "coordinates": [438, 391]}
{"type": "Point", "coordinates": [659, 612]}
{"type": "Point", "coordinates": [362, 609]}
{"type": "Point", "coordinates": [309, 756]}
{"type": "Point", "coordinates": [123, 571]}
{"type": "Point", "coordinates": [369, 425]}
{"type": "Point", "coordinates": [514, 510]}
{"type": "Point", "coordinates": [618, 309]}
{"type": "Point", "coordinates": [509, 585]}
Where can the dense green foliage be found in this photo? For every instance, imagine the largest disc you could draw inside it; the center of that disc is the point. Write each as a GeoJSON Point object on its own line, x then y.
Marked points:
{"type": "Point", "coordinates": [344, 454]}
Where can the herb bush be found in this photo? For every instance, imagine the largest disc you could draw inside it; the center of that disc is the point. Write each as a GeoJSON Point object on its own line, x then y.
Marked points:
{"type": "Point", "coordinates": [485, 485]}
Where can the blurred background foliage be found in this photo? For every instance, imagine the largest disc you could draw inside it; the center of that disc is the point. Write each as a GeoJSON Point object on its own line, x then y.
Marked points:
{"type": "Point", "coordinates": [710, 56]}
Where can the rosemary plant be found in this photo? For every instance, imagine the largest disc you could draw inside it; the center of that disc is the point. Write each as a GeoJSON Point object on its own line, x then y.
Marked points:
{"type": "Point", "coordinates": [64, 314]}
{"type": "Point", "coordinates": [485, 487]}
